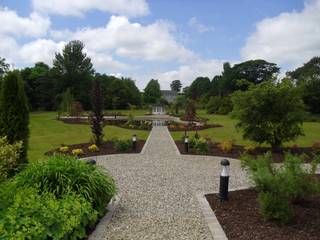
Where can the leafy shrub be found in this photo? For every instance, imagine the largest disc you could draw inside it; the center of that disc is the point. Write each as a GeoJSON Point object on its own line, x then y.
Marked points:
{"type": "Point", "coordinates": [219, 105]}
{"type": "Point", "coordinates": [225, 146]}
{"type": "Point", "coordinates": [29, 215]}
{"type": "Point", "coordinates": [77, 152]}
{"type": "Point", "coordinates": [62, 174]}
{"type": "Point", "coordinates": [279, 187]}
{"type": "Point", "coordinates": [122, 144]}
{"type": "Point", "coordinates": [64, 149]}
{"type": "Point", "coordinates": [201, 146]}
{"type": "Point", "coordinates": [9, 153]}
{"type": "Point", "coordinates": [93, 148]}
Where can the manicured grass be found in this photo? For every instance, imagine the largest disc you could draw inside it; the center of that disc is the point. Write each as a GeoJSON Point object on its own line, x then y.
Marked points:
{"type": "Point", "coordinates": [229, 132]}
{"type": "Point", "coordinates": [46, 133]}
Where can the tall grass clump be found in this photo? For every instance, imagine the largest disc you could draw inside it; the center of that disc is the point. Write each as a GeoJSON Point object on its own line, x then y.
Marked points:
{"type": "Point", "coordinates": [62, 174]}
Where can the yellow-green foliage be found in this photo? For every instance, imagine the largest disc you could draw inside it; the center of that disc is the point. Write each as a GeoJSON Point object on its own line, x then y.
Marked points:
{"type": "Point", "coordinates": [77, 152]}
{"type": "Point", "coordinates": [9, 153]}
{"type": "Point", "coordinates": [93, 148]}
{"type": "Point", "coordinates": [64, 149]}
{"type": "Point", "coordinates": [34, 216]}
{"type": "Point", "coordinates": [225, 146]}
{"type": "Point", "coordinates": [249, 148]}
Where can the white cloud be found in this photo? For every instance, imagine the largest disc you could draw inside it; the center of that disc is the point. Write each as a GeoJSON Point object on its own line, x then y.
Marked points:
{"type": "Point", "coordinates": [40, 50]}
{"type": "Point", "coordinates": [185, 73]}
{"type": "Point", "coordinates": [104, 62]}
{"type": "Point", "coordinates": [133, 40]}
{"type": "Point", "coordinates": [290, 38]}
{"type": "Point", "coordinates": [79, 7]}
{"type": "Point", "coordinates": [199, 27]}
{"type": "Point", "coordinates": [33, 26]}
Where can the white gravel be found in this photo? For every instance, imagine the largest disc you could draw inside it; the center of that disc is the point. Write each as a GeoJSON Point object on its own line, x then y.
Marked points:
{"type": "Point", "coordinates": [158, 190]}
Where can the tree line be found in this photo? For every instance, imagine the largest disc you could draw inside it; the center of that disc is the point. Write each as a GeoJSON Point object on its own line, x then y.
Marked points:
{"type": "Point", "coordinates": [73, 73]}
{"type": "Point", "coordinates": [215, 94]}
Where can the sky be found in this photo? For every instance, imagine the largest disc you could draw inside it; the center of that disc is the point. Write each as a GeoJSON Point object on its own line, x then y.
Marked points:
{"type": "Point", "coordinates": [162, 39]}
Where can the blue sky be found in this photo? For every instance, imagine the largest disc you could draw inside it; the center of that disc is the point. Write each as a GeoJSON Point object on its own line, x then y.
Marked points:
{"type": "Point", "coordinates": [164, 39]}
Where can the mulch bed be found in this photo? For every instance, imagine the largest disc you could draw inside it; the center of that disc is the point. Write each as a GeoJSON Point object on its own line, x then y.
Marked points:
{"type": "Point", "coordinates": [105, 149]}
{"type": "Point", "coordinates": [114, 122]}
{"type": "Point", "coordinates": [192, 128]}
{"type": "Point", "coordinates": [238, 150]}
{"type": "Point", "coordinates": [240, 218]}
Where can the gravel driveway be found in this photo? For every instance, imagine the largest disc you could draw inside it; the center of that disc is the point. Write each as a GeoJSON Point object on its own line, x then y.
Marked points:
{"type": "Point", "coordinates": [158, 191]}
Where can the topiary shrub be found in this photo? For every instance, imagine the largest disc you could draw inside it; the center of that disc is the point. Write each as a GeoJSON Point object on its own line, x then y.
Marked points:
{"type": "Point", "coordinates": [278, 187]}
{"type": "Point", "coordinates": [62, 174]}
{"type": "Point", "coordinates": [14, 113]}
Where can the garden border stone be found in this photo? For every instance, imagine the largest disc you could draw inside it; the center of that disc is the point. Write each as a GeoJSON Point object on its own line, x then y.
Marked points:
{"type": "Point", "coordinates": [215, 228]}
{"type": "Point", "coordinates": [98, 233]}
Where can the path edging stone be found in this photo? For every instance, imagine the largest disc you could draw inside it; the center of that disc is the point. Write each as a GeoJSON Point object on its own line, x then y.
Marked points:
{"type": "Point", "coordinates": [98, 233]}
{"type": "Point", "coordinates": [215, 227]}
{"type": "Point", "coordinates": [173, 143]}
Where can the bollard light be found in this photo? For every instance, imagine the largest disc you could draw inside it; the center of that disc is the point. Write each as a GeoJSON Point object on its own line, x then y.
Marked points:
{"type": "Point", "coordinates": [186, 143]}
{"type": "Point", "coordinates": [91, 161]}
{"type": "Point", "coordinates": [224, 180]}
{"type": "Point", "coordinates": [134, 142]}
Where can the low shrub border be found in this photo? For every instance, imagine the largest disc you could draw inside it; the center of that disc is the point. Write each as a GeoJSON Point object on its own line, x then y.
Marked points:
{"type": "Point", "coordinates": [106, 148]}
{"type": "Point", "coordinates": [237, 150]}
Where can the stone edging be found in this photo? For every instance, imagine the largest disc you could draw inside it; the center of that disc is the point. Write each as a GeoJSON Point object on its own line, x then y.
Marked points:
{"type": "Point", "coordinates": [99, 230]}
{"type": "Point", "coordinates": [215, 228]}
{"type": "Point", "coordinates": [173, 143]}
{"type": "Point", "coordinates": [146, 143]}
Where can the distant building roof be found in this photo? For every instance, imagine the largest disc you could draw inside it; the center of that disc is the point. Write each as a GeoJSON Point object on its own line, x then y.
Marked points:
{"type": "Point", "coordinates": [169, 95]}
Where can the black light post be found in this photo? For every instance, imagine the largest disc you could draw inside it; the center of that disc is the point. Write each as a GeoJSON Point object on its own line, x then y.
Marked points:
{"type": "Point", "coordinates": [186, 143]}
{"type": "Point", "coordinates": [91, 161]}
{"type": "Point", "coordinates": [134, 142]}
{"type": "Point", "coordinates": [224, 180]}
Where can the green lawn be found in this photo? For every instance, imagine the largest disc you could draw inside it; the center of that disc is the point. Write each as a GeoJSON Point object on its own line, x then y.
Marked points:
{"type": "Point", "coordinates": [46, 133]}
{"type": "Point", "coordinates": [229, 132]}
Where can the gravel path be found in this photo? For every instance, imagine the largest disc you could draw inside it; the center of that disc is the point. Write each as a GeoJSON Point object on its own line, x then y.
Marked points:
{"type": "Point", "coordinates": [158, 191]}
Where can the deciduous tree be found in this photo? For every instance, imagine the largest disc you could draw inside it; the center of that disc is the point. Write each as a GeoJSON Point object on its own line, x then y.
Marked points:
{"type": "Point", "coordinates": [269, 113]}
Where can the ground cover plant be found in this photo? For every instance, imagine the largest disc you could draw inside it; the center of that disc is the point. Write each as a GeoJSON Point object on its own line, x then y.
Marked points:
{"type": "Point", "coordinates": [57, 199]}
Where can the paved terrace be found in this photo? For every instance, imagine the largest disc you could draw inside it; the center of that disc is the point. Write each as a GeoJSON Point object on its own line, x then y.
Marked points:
{"type": "Point", "coordinates": [158, 191]}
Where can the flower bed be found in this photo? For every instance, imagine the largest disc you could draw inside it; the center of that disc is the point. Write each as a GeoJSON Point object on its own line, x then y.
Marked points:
{"type": "Point", "coordinates": [215, 149]}
{"type": "Point", "coordinates": [240, 218]}
{"type": "Point", "coordinates": [183, 127]}
{"type": "Point", "coordinates": [105, 149]}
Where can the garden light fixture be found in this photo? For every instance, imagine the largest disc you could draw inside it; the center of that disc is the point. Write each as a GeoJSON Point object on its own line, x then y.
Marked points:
{"type": "Point", "coordinates": [224, 180]}
{"type": "Point", "coordinates": [134, 142]}
{"type": "Point", "coordinates": [186, 143]}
